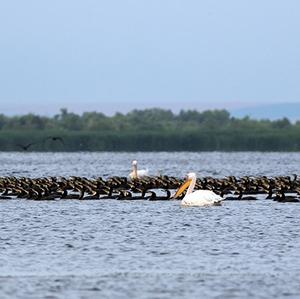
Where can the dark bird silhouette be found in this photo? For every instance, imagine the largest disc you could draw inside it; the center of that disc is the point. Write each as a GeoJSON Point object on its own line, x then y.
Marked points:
{"type": "Point", "coordinates": [25, 147]}
{"type": "Point", "coordinates": [55, 138]}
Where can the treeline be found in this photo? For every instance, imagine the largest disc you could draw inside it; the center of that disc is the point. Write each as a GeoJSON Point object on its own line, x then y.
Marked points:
{"type": "Point", "coordinates": [147, 130]}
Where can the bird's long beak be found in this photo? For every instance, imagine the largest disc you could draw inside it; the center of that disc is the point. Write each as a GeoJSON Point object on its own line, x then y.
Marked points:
{"type": "Point", "coordinates": [183, 187]}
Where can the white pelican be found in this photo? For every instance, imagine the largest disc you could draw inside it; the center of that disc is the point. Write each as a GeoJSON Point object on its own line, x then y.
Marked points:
{"type": "Point", "coordinates": [135, 174]}
{"type": "Point", "coordinates": [198, 198]}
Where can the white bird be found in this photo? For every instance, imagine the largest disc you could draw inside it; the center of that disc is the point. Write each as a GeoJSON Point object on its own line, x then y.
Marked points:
{"type": "Point", "coordinates": [198, 198]}
{"type": "Point", "coordinates": [135, 174]}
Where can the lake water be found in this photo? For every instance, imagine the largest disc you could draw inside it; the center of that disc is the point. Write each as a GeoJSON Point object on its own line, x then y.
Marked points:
{"type": "Point", "coordinates": [141, 249]}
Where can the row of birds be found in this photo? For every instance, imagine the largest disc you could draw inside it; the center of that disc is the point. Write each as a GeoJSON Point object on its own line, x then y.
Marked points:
{"type": "Point", "coordinates": [191, 191]}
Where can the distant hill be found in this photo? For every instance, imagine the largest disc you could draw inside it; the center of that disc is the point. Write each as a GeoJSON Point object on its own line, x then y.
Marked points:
{"type": "Point", "coordinates": [271, 111]}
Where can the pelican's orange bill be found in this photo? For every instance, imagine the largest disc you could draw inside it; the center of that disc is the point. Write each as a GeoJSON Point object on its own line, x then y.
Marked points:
{"type": "Point", "coordinates": [182, 188]}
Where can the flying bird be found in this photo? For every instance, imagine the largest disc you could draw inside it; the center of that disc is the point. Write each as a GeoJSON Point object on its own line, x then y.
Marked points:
{"type": "Point", "coordinates": [55, 138]}
{"type": "Point", "coordinates": [25, 147]}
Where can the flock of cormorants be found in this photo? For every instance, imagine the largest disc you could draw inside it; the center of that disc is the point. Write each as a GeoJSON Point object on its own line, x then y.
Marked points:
{"type": "Point", "coordinates": [281, 189]}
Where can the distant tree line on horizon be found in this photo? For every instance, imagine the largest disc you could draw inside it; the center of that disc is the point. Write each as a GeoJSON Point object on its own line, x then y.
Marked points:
{"type": "Point", "coordinates": [147, 130]}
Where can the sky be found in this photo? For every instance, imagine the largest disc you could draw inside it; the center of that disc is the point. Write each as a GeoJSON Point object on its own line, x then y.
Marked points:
{"type": "Point", "coordinates": [118, 55]}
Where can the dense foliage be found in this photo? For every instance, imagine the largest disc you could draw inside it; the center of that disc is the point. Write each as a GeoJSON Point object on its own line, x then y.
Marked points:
{"type": "Point", "coordinates": [147, 130]}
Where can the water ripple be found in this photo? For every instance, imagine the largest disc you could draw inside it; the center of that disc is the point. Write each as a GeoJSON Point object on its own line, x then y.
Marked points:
{"type": "Point", "coordinates": [139, 249]}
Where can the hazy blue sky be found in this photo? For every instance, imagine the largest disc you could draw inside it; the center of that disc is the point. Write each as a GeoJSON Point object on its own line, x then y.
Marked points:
{"type": "Point", "coordinates": [116, 54]}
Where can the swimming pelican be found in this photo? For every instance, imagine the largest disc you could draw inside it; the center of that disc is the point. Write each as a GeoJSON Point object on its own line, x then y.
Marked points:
{"type": "Point", "coordinates": [135, 174]}
{"type": "Point", "coordinates": [198, 198]}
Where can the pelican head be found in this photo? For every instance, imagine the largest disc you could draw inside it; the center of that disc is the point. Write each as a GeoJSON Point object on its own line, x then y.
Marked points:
{"type": "Point", "coordinates": [134, 162]}
{"type": "Point", "coordinates": [191, 176]}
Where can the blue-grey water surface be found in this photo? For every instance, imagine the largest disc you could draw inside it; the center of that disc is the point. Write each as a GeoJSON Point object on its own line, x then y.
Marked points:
{"type": "Point", "coordinates": [141, 249]}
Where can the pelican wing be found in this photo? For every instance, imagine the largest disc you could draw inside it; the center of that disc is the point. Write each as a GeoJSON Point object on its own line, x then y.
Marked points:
{"type": "Point", "coordinates": [140, 173]}
{"type": "Point", "coordinates": [202, 198]}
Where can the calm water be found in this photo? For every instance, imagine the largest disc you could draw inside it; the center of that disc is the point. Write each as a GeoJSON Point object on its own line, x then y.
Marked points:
{"type": "Point", "coordinates": [140, 249]}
